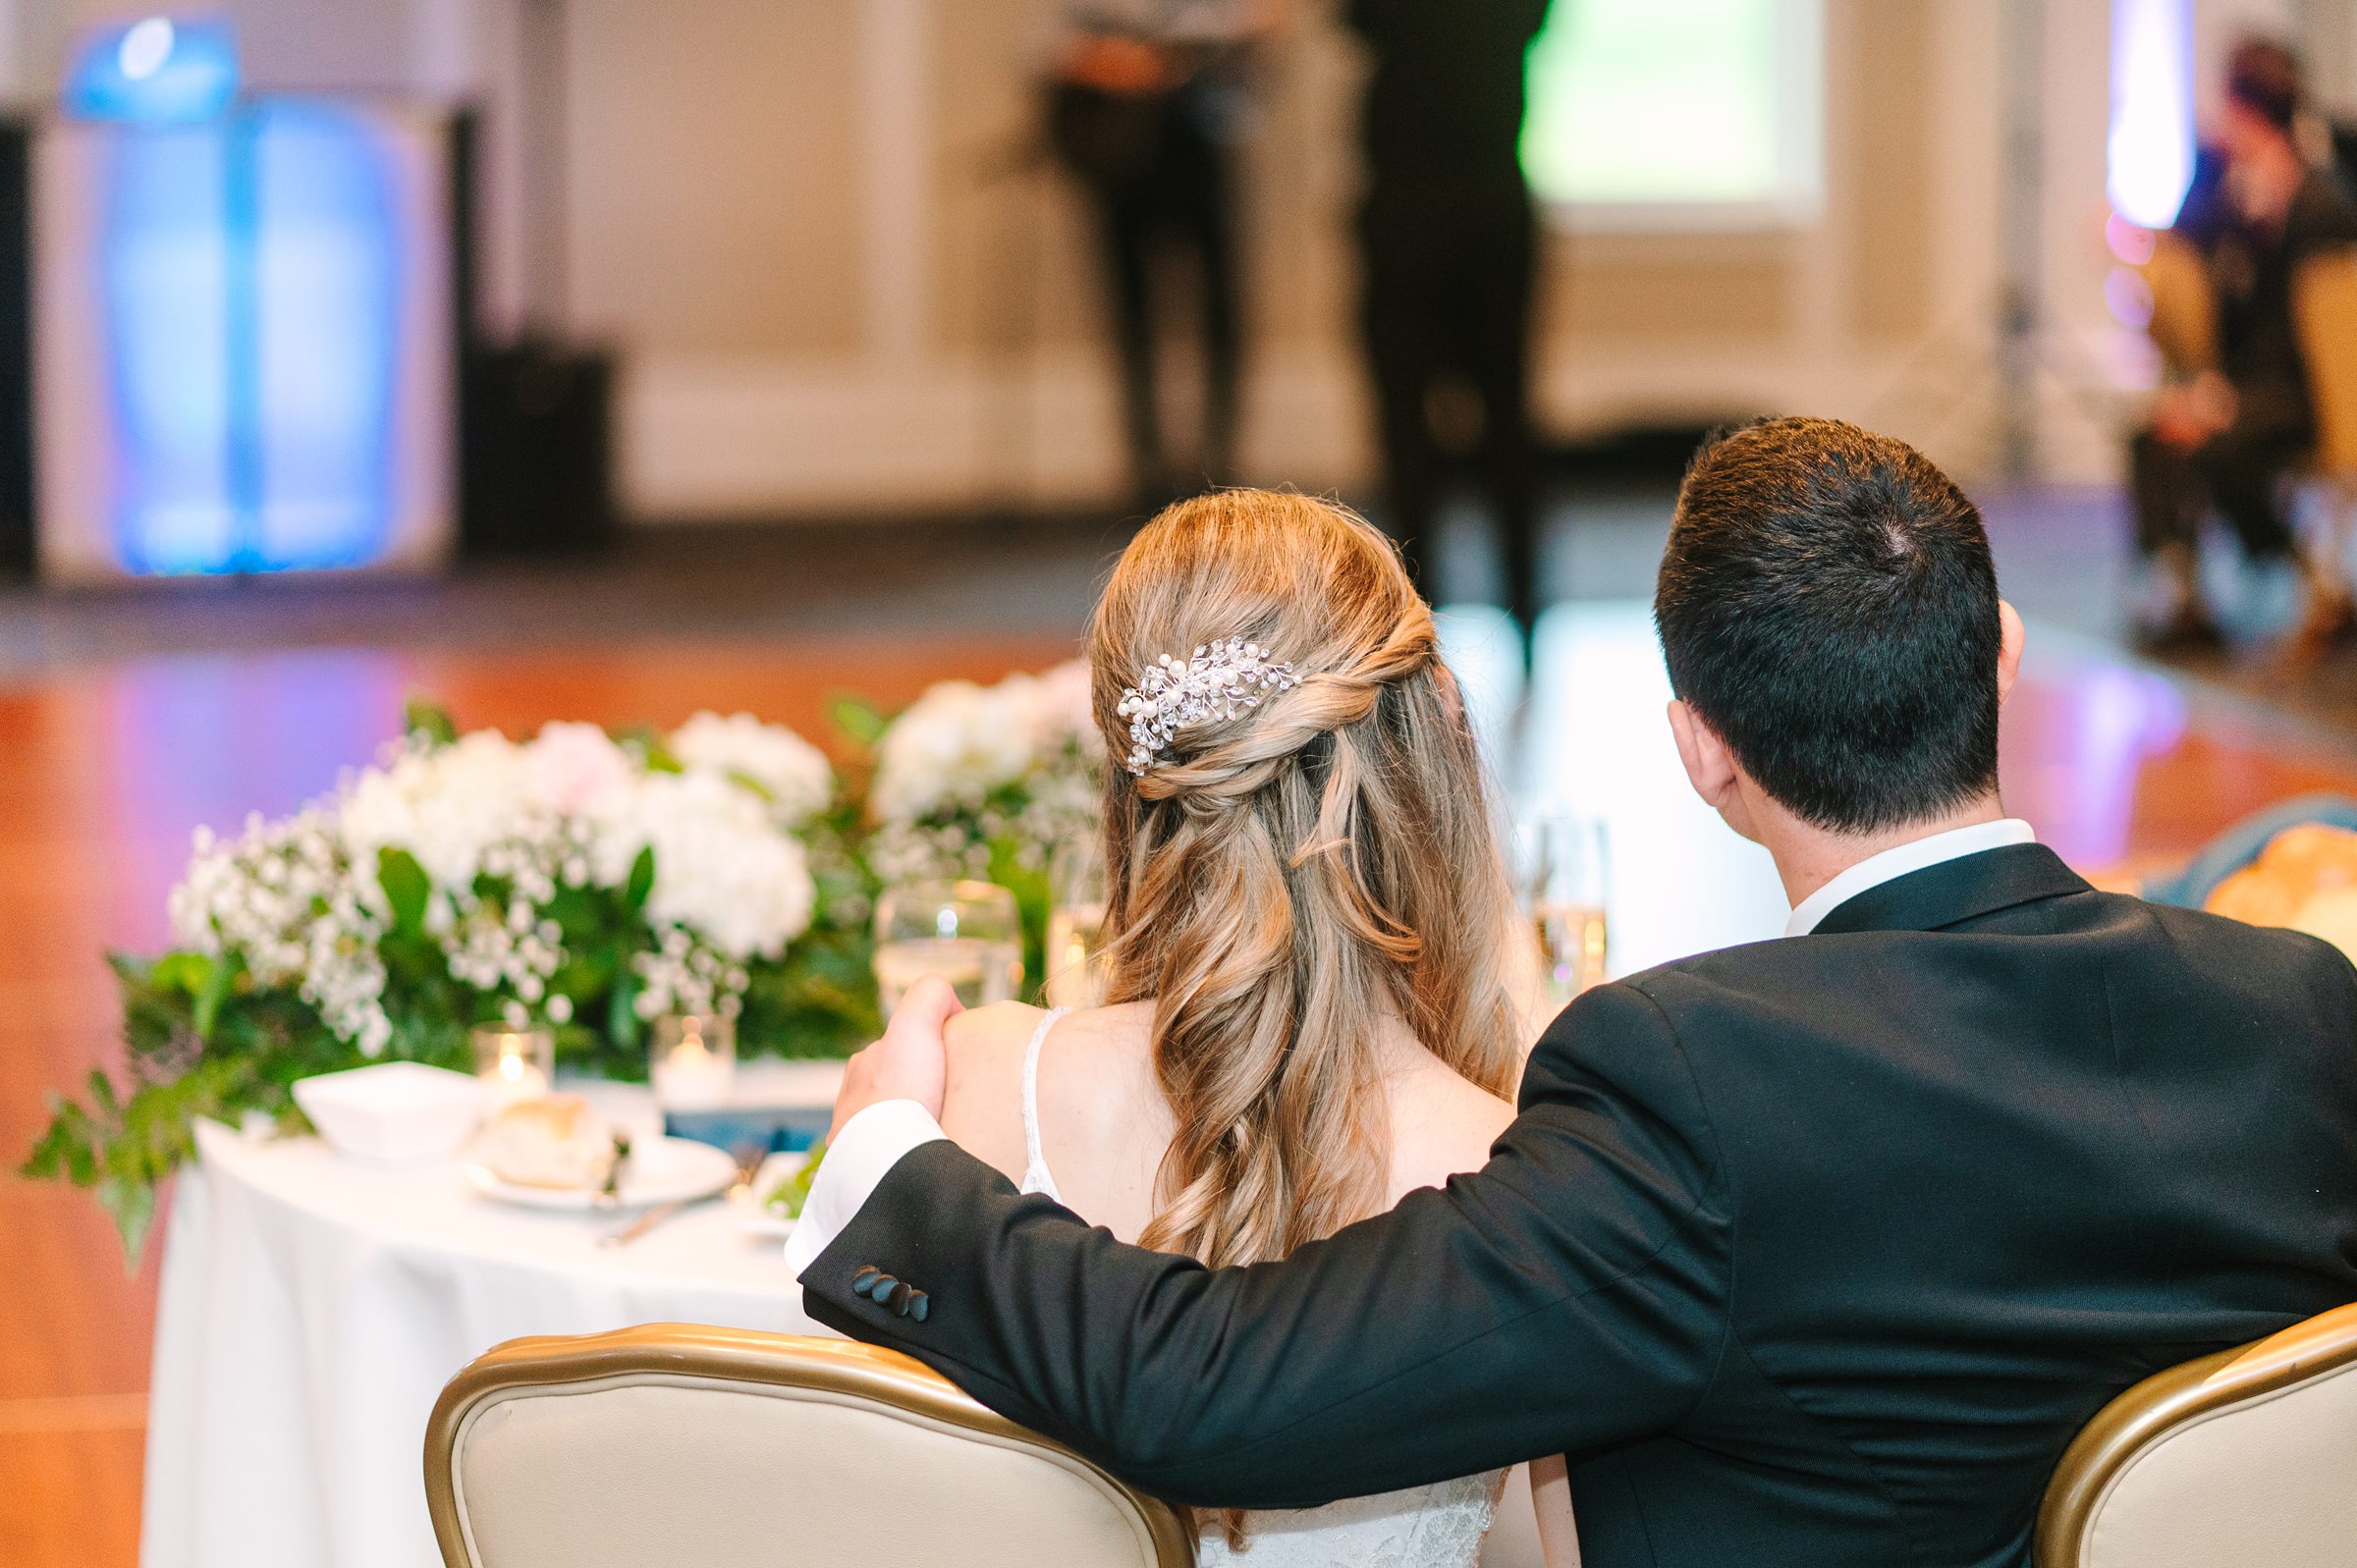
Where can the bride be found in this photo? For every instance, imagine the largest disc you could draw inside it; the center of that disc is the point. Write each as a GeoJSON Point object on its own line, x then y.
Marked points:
{"type": "Point", "coordinates": [1308, 1014]}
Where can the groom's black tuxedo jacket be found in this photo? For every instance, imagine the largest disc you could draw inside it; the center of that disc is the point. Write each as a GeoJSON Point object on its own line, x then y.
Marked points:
{"type": "Point", "coordinates": [1812, 1252]}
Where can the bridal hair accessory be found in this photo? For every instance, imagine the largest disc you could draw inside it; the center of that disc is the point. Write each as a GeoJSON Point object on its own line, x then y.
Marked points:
{"type": "Point", "coordinates": [1221, 681]}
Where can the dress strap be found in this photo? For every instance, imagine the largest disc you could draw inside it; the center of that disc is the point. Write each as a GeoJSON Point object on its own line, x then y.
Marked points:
{"type": "Point", "coordinates": [1035, 1160]}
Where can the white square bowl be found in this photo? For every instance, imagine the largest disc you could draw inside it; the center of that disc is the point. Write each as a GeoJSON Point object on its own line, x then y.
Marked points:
{"type": "Point", "coordinates": [394, 1112]}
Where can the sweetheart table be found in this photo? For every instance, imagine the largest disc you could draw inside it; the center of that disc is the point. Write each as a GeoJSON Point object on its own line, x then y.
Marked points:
{"type": "Point", "coordinates": [312, 1308]}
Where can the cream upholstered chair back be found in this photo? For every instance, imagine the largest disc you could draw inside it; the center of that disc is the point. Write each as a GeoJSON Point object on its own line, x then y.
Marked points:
{"type": "Point", "coordinates": [672, 1446]}
{"type": "Point", "coordinates": [2247, 1456]}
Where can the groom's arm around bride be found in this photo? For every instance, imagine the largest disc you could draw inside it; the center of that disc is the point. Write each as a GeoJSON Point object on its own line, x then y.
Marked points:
{"type": "Point", "coordinates": [1814, 1251]}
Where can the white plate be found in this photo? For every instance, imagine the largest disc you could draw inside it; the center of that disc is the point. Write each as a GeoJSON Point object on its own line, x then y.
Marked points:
{"type": "Point", "coordinates": [659, 1170]}
{"type": "Point", "coordinates": [752, 1217]}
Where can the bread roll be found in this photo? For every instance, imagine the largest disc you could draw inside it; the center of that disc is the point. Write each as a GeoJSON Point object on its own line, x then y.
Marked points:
{"type": "Point", "coordinates": [553, 1141]}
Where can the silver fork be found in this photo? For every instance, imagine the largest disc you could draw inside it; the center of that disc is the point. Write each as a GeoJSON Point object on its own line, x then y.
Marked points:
{"type": "Point", "coordinates": [748, 1158]}
{"type": "Point", "coordinates": [609, 1196]}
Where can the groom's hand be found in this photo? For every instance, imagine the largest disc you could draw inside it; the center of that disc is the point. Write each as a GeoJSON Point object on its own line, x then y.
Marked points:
{"type": "Point", "coordinates": [911, 1061]}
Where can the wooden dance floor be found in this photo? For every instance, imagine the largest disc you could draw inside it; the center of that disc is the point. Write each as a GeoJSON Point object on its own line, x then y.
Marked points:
{"type": "Point", "coordinates": [105, 771]}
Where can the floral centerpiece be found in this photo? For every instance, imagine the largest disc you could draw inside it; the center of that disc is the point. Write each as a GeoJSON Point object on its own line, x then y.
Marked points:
{"type": "Point", "coordinates": [986, 782]}
{"type": "Point", "coordinates": [576, 879]}
{"type": "Point", "coordinates": [581, 881]}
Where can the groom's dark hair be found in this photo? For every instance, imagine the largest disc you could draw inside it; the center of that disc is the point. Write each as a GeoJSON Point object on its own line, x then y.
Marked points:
{"type": "Point", "coordinates": [1827, 607]}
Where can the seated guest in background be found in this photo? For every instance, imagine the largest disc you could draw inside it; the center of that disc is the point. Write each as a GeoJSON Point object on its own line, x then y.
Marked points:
{"type": "Point", "coordinates": [1812, 1252]}
{"type": "Point", "coordinates": [2247, 322]}
{"type": "Point", "coordinates": [1307, 916]}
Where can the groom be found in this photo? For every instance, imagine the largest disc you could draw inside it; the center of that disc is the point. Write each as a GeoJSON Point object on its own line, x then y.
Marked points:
{"type": "Point", "coordinates": [1809, 1254]}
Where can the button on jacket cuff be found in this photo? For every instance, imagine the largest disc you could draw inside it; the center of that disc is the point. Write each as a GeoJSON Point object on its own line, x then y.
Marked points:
{"type": "Point", "coordinates": [872, 1143]}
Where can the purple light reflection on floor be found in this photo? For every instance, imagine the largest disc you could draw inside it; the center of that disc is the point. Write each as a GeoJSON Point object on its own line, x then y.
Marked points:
{"type": "Point", "coordinates": [206, 740]}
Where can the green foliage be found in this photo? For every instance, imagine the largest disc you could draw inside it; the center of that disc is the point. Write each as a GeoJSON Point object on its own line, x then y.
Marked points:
{"type": "Point", "coordinates": [122, 1142]}
{"type": "Point", "coordinates": [423, 716]}
{"type": "Point", "coordinates": [788, 1198]}
{"type": "Point", "coordinates": [652, 748]}
{"type": "Point", "coordinates": [407, 890]}
{"type": "Point", "coordinates": [859, 721]}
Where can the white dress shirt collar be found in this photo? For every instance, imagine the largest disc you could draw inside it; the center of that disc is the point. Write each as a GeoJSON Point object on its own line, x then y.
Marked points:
{"type": "Point", "coordinates": [1898, 861]}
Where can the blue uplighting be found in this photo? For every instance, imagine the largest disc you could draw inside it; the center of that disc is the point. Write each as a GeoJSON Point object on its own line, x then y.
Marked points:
{"type": "Point", "coordinates": [327, 337]}
{"type": "Point", "coordinates": [250, 282]}
{"type": "Point", "coordinates": [159, 71]}
{"type": "Point", "coordinates": [164, 283]}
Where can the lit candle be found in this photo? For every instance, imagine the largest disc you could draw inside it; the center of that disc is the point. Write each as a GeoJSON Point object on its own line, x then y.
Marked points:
{"type": "Point", "coordinates": [514, 1064]}
{"type": "Point", "coordinates": [517, 1079]}
{"type": "Point", "coordinates": [690, 1072]}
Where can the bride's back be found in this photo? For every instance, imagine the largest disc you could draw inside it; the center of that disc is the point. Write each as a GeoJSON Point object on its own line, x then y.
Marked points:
{"type": "Point", "coordinates": [1104, 1126]}
{"type": "Point", "coordinates": [1306, 911]}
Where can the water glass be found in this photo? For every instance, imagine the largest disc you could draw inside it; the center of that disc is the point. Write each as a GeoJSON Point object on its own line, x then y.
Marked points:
{"type": "Point", "coordinates": [513, 1064]}
{"type": "Point", "coordinates": [1565, 888]}
{"type": "Point", "coordinates": [969, 933]}
{"type": "Point", "coordinates": [1075, 958]}
{"type": "Point", "coordinates": [692, 1061]}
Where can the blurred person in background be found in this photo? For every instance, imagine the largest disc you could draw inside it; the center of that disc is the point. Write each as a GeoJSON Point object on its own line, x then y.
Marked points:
{"type": "Point", "coordinates": [1147, 102]}
{"type": "Point", "coordinates": [2251, 308]}
{"type": "Point", "coordinates": [1448, 245]}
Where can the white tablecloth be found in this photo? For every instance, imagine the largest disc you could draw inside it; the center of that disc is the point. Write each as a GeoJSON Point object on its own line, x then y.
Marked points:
{"type": "Point", "coordinates": [312, 1309]}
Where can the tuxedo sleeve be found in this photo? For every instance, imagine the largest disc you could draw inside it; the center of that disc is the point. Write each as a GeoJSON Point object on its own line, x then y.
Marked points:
{"type": "Point", "coordinates": [1571, 1295]}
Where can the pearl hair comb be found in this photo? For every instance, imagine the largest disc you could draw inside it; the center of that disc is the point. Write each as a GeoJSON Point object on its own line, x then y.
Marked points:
{"type": "Point", "coordinates": [1221, 681]}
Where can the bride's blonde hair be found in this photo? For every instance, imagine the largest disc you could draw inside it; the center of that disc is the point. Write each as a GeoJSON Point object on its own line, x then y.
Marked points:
{"type": "Point", "coordinates": [1280, 881]}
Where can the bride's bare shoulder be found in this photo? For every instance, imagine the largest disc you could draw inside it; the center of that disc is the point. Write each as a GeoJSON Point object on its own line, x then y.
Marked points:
{"type": "Point", "coordinates": [980, 1033]}
{"type": "Point", "coordinates": [1096, 1084]}
{"type": "Point", "coordinates": [981, 1107]}
{"type": "Point", "coordinates": [1441, 1124]}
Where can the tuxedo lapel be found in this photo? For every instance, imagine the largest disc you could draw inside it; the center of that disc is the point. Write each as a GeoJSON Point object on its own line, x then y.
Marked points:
{"type": "Point", "coordinates": [1957, 891]}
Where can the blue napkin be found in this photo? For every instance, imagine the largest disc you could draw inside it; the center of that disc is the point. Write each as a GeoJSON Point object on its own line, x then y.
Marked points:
{"type": "Point", "coordinates": [776, 1128]}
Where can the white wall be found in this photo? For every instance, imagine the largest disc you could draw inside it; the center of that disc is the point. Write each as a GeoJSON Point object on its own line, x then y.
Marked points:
{"type": "Point", "coordinates": [1883, 310]}
{"type": "Point", "coordinates": [832, 290]}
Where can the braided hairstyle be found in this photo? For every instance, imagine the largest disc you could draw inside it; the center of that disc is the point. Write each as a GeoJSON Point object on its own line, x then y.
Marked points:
{"type": "Point", "coordinates": [1280, 881]}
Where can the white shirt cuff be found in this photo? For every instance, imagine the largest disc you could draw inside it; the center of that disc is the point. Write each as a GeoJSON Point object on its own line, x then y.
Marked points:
{"type": "Point", "coordinates": [857, 1162]}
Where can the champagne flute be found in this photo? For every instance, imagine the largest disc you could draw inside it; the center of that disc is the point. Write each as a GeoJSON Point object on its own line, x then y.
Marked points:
{"type": "Point", "coordinates": [1076, 959]}
{"type": "Point", "coordinates": [1566, 885]}
{"type": "Point", "coordinates": [969, 933]}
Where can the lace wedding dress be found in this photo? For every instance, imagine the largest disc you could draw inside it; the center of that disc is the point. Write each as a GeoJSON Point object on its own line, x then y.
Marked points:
{"type": "Point", "coordinates": [1439, 1525]}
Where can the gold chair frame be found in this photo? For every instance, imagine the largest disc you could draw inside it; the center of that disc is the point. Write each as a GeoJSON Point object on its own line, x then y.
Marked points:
{"type": "Point", "coordinates": [679, 1352]}
{"type": "Point", "coordinates": [2132, 1425]}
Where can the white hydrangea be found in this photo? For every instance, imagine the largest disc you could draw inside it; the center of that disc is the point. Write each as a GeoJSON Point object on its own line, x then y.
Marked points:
{"type": "Point", "coordinates": [954, 746]}
{"type": "Point", "coordinates": [943, 769]}
{"type": "Point", "coordinates": [792, 772]}
{"type": "Point", "coordinates": [446, 806]}
{"type": "Point", "coordinates": [1063, 713]}
{"type": "Point", "coordinates": [722, 867]}
{"type": "Point", "coordinates": [576, 768]}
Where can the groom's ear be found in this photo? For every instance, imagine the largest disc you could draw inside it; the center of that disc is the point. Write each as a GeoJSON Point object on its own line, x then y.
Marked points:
{"type": "Point", "coordinates": [2010, 635]}
{"type": "Point", "coordinates": [1710, 765]}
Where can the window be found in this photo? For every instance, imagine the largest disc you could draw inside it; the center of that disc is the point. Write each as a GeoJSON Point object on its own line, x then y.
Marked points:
{"type": "Point", "coordinates": [1678, 114]}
